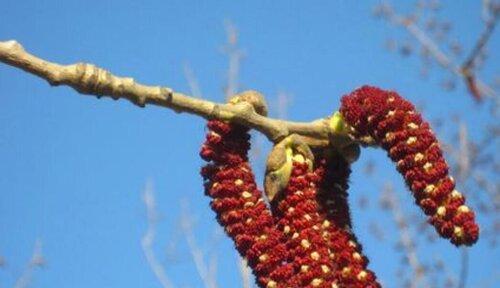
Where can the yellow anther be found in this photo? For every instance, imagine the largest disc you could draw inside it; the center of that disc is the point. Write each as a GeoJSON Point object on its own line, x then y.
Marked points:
{"type": "Point", "coordinates": [295, 235]}
{"type": "Point", "coordinates": [427, 166]}
{"type": "Point", "coordinates": [362, 275]}
{"type": "Point", "coordinates": [458, 231]}
{"type": "Point", "coordinates": [456, 194]}
{"type": "Point", "coordinates": [429, 188]}
{"type": "Point", "coordinates": [286, 229]}
{"type": "Point", "coordinates": [389, 136]}
{"type": "Point", "coordinates": [263, 257]}
{"type": "Point", "coordinates": [356, 256]}
{"type": "Point", "coordinates": [248, 220]}
{"type": "Point", "coordinates": [305, 243]}
{"type": "Point", "coordinates": [390, 113]}
{"type": "Point", "coordinates": [418, 157]}
{"type": "Point", "coordinates": [316, 282]}
{"type": "Point", "coordinates": [325, 269]}
{"type": "Point", "coordinates": [304, 268]}
{"type": "Point", "coordinates": [315, 255]}
{"type": "Point", "coordinates": [215, 184]}
{"type": "Point", "coordinates": [263, 237]}
{"type": "Point", "coordinates": [315, 227]}
{"type": "Point", "coordinates": [412, 125]}
{"type": "Point", "coordinates": [271, 284]}
{"type": "Point", "coordinates": [390, 99]}
{"type": "Point", "coordinates": [352, 243]}
{"type": "Point", "coordinates": [334, 285]}
{"type": "Point", "coordinates": [238, 182]}
{"type": "Point", "coordinates": [441, 211]}
{"type": "Point", "coordinates": [326, 224]}
{"type": "Point", "coordinates": [346, 271]}
{"type": "Point", "coordinates": [291, 209]}
{"type": "Point", "coordinates": [308, 217]}
{"type": "Point", "coordinates": [246, 194]}
{"type": "Point", "coordinates": [463, 209]}
{"type": "Point", "coordinates": [248, 204]}
{"type": "Point", "coordinates": [411, 140]}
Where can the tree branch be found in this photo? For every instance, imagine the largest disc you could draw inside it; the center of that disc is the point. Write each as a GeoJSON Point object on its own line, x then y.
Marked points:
{"type": "Point", "coordinates": [89, 79]}
{"type": "Point", "coordinates": [446, 62]}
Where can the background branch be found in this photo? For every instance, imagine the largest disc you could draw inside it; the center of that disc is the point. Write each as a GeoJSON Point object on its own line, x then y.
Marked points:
{"type": "Point", "coordinates": [37, 260]}
{"type": "Point", "coordinates": [149, 237]}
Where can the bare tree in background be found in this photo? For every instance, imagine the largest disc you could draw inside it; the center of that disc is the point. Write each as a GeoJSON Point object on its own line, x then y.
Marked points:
{"type": "Point", "coordinates": [474, 161]}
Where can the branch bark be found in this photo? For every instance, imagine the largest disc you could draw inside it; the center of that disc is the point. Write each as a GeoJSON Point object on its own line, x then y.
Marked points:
{"type": "Point", "coordinates": [89, 79]}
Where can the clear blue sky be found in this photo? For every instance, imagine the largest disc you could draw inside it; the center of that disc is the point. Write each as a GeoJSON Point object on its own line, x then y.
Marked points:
{"type": "Point", "coordinates": [72, 167]}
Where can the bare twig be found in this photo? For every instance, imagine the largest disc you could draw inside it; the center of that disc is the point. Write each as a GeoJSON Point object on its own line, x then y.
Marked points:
{"type": "Point", "coordinates": [463, 155]}
{"type": "Point", "coordinates": [405, 237]}
{"type": "Point", "coordinates": [91, 80]}
{"type": "Point", "coordinates": [192, 82]}
{"type": "Point", "coordinates": [482, 40]}
{"type": "Point", "coordinates": [37, 260]}
{"type": "Point", "coordinates": [442, 58]}
{"type": "Point", "coordinates": [464, 270]}
{"type": "Point", "coordinates": [203, 270]}
{"type": "Point", "coordinates": [234, 55]}
{"type": "Point", "coordinates": [148, 238]}
{"type": "Point", "coordinates": [245, 273]}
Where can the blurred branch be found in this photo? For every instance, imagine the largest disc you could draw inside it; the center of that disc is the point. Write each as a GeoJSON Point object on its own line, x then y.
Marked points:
{"type": "Point", "coordinates": [192, 82]}
{"type": "Point", "coordinates": [208, 278]}
{"type": "Point", "coordinates": [234, 54]}
{"type": "Point", "coordinates": [149, 237]}
{"type": "Point", "coordinates": [464, 267]}
{"type": "Point", "coordinates": [490, 25]}
{"type": "Point", "coordinates": [391, 201]}
{"type": "Point", "coordinates": [245, 273]}
{"type": "Point", "coordinates": [37, 260]}
{"type": "Point", "coordinates": [476, 86]}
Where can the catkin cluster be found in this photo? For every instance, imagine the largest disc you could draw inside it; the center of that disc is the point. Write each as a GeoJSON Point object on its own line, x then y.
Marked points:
{"type": "Point", "coordinates": [303, 237]}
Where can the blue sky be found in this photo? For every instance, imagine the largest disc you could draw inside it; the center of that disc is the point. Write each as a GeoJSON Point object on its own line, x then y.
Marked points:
{"type": "Point", "coordinates": [73, 167]}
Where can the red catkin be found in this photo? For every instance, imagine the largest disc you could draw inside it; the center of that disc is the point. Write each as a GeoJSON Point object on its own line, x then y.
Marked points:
{"type": "Point", "coordinates": [297, 215]}
{"type": "Point", "coordinates": [239, 206]}
{"type": "Point", "coordinates": [395, 125]}
{"type": "Point", "coordinates": [346, 253]}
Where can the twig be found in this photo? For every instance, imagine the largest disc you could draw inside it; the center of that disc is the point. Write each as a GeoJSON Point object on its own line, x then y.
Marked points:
{"type": "Point", "coordinates": [234, 55]}
{"type": "Point", "coordinates": [245, 273]}
{"type": "Point", "coordinates": [92, 80]}
{"type": "Point", "coordinates": [405, 236]}
{"type": "Point", "coordinates": [192, 82]}
{"type": "Point", "coordinates": [441, 58]}
{"type": "Point", "coordinates": [207, 278]}
{"type": "Point", "coordinates": [464, 270]}
{"type": "Point", "coordinates": [148, 238]}
{"type": "Point", "coordinates": [482, 40]}
{"type": "Point", "coordinates": [36, 260]}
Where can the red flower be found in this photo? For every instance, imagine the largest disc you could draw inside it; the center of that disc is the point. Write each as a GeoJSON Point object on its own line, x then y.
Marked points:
{"type": "Point", "coordinates": [351, 266]}
{"type": "Point", "coordinates": [394, 124]}
{"type": "Point", "coordinates": [238, 203]}
{"type": "Point", "coordinates": [297, 215]}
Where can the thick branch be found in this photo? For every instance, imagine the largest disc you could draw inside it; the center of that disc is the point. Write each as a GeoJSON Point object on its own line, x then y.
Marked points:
{"type": "Point", "coordinates": [89, 79]}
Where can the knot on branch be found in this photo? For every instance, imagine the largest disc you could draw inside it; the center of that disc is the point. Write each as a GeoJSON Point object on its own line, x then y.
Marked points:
{"type": "Point", "coordinates": [254, 98]}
